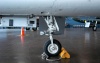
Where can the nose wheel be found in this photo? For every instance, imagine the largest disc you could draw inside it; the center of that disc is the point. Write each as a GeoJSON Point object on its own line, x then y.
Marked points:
{"type": "Point", "coordinates": [52, 50]}
{"type": "Point", "coordinates": [94, 28]}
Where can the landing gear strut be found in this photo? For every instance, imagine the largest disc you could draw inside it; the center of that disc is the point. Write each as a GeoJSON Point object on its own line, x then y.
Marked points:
{"type": "Point", "coordinates": [52, 47]}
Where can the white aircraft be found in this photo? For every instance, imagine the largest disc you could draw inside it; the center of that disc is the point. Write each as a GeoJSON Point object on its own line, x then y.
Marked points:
{"type": "Point", "coordinates": [51, 9]}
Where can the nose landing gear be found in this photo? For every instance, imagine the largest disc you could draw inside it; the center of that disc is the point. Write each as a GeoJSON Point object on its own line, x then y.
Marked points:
{"type": "Point", "coordinates": [52, 47]}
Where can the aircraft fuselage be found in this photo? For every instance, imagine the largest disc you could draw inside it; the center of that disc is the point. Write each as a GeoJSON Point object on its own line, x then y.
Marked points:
{"type": "Point", "coordinates": [50, 7]}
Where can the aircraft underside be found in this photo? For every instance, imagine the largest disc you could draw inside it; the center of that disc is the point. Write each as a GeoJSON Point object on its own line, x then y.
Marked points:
{"type": "Point", "coordinates": [50, 7]}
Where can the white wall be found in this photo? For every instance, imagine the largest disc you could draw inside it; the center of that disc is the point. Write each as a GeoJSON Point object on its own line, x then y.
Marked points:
{"type": "Point", "coordinates": [17, 21]}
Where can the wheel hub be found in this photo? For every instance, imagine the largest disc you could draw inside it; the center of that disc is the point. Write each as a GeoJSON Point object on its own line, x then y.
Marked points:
{"type": "Point", "coordinates": [52, 48]}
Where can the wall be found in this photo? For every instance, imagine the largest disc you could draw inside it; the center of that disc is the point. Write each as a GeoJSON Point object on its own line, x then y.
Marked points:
{"type": "Point", "coordinates": [17, 21]}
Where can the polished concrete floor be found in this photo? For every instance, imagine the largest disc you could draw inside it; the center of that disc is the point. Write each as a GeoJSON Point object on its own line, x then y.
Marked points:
{"type": "Point", "coordinates": [82, 44]}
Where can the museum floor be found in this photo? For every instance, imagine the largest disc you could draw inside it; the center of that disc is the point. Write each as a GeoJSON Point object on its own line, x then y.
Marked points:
{"type": "Point", "coordinates": [82, 44]}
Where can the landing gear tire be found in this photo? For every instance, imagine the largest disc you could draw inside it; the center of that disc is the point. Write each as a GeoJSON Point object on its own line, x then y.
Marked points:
{"type": "Point", "coordinates": [94, 28]}
{"type": "Point", "coordinates": [52, 51]}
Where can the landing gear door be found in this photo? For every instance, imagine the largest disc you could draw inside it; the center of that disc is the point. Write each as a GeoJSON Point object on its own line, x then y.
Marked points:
{"type": "Point", "coordinates": [60, 21]}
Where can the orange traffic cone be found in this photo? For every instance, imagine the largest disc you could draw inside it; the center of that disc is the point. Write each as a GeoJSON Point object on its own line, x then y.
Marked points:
{"type": "Point", "coordinates": [22, 31]}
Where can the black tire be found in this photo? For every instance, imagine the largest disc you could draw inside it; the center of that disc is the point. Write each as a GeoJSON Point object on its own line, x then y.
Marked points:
{"type": "Point", "coordinates": [56, 43]}
{"type": "Point", "coordinates": [34, 29]}
{"type": "Point", "coordinates": [27, 28]}
{"type": "Point", "coordinates": [94, 28]}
